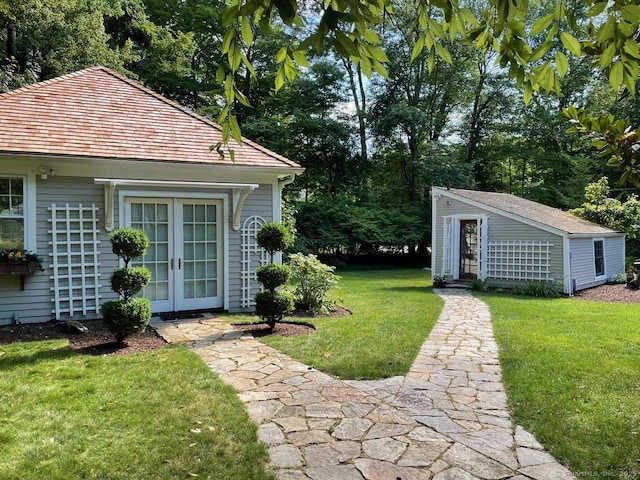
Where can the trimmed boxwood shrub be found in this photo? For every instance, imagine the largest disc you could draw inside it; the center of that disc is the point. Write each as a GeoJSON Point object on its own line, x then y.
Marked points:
{"type": "Point", "coordinates": [128, 314]}
{"type": "Point", "coordinates": [274, 237]}
{"type": "Point", "coordinates": [128, 243]}
{"type": "Point", "coordinates": [123, 318]}
{"type": "Point", "coordinates": [129, 281]}
{"type": "Point", "coordinates": [272, 275]}
{"type": "Point", "coordinates": [273, 306]}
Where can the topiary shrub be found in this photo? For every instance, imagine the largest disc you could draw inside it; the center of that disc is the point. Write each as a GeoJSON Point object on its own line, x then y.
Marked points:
{"type": "Point", "coordinates": [128, 243]}
{"type": "Point", "coordinates": [129, 281]}
{"type": "Point", "coordinates": [272, 305]}
{"type": "Point", "coordinates": [272, 275]}
{"type": "Point", "coordinates": [314, 279]}
{"type": "Point", "coordinates": [128, 314]}
{"type": "Point", "coordinates": [124, 318]}
{"type": "Point", "coordinates": [274, 237]}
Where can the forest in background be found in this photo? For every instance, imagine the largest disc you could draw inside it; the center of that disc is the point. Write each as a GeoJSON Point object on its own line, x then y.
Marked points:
{"type": "Point", "coordinates": [372, 145]}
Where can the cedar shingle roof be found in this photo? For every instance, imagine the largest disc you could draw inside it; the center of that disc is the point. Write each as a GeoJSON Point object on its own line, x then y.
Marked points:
{"type": "Point", "coordinates": [534, 211]}
{"type": "Point", "coordinates": [99, 113]}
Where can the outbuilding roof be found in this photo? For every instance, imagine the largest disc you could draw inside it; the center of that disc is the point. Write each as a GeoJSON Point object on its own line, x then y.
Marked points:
{"type": "Point", "coordinates": [98, 113]}
{"type": "Point", "coordinates": [532, 211]}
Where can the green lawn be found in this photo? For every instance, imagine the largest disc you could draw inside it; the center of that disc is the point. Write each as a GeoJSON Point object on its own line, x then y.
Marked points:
{"type": "Point", "coordinates": [572, 374]}
{"type": "Point", "coordinates": [160, 415]}
{"type": "Point", "coordinates": [393, 312]}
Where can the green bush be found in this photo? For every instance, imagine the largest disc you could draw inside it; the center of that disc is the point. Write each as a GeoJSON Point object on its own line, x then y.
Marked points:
{"type": "Point", "coordinates": [439, 281]}
{"type": "Point", "coordinates": [128, 243]}
{"type": "Point", "coordinates": [314, 280]}
{"type": "Point", "coordinates": [128, 315]}
{"type": "Point", "coordinates": [274, 237]}
{"type": "Point", "coordinates": [272, 306]}
{"type": "Point", "coordinates": [272, 275]}
{"type": "Point", "coordinates": [478, 285]}
{"type": "Point", "coordinates": [129, 281]}
{"type": "Point", "coordinates": [538, 289]}
{"type": "Point", "coordinates": [123, 318]}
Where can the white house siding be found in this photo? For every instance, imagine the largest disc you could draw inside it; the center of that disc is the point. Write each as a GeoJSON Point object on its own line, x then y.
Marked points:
{"type": "Point", "coordinates": [499, 228]}
{"type": "Point", "coordinates": [258, 203]}
{"type": "Point", "coordinates": [34, 304]}
{"type": "Point", "coordinates": [583, 262]}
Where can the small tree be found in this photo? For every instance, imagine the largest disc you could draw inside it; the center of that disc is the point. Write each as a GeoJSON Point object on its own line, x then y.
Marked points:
{"type": "Point", "coordinates": [314, 280]}
{"type": "Point", "coordinates": [272, 304]}
{"type": "Point", "coordinates": [129, 314]}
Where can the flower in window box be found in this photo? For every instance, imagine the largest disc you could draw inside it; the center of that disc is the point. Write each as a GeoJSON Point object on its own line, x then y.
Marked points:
{"type": "Point", "coordinates": [17, 257]}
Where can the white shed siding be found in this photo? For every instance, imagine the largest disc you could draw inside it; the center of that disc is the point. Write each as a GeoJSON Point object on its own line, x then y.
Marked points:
{"type": "Point", "coordinates": [499, 228]}
{"type": "Point", "coordinates": [583, 270]}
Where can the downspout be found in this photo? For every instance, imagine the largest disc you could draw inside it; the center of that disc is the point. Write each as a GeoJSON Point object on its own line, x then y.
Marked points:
{"type": "Point", "coordinates": [283, 182]}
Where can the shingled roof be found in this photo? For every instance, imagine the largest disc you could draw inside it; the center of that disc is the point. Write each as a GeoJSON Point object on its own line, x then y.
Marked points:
{"type": "Point", "coordinates": [98, 113]}
{"type": "Point", "coordinates": [534, 212]}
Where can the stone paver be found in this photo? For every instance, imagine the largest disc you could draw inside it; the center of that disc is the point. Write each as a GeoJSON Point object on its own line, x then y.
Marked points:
{"type": "Point", "coordinates": [447, 419]}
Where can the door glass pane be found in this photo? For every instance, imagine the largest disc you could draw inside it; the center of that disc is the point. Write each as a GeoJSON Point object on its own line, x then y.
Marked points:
{"type": "Point", "coordinates": [154, 220]}
{"type": "Point", "coordinates": [200, 250]}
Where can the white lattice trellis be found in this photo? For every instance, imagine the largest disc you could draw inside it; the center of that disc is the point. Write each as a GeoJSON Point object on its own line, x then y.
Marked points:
{"type": "Point", "coordinates": [74, 259]}
{"type": "Point", "coordinates": [519, 260]}
{"type": "Point", "coordinates": [253, 256]}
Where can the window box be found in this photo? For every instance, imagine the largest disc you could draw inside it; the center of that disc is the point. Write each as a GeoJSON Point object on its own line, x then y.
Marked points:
{"type": "Point", "coordinates": [19, 262]}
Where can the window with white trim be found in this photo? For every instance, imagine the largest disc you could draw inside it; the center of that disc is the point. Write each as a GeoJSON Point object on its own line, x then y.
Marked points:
{"type": "Point", "coordinates": [598, 255]}
{"type": "Point", "coordinates": [12, 212]}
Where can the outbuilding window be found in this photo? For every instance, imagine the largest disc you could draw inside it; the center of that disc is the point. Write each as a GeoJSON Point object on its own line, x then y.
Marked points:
{"type": "Point", "coordinates": [12, 212]}
{"type": "Point", "coordinates": [598, 255]}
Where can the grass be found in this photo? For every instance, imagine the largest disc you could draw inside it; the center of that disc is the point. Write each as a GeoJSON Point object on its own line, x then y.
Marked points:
{"type": "Point", "coordinates": [159, 414]}
{"type": "Point", "coordinates": [572, 374]}
{"type": "Point", "coordinates": [393, 312]}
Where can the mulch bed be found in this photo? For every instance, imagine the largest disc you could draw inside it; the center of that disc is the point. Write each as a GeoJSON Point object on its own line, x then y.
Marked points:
{"type": "Point", "coordinates": [100, 341]}
{"type": "Point", "coordinates": [97, 341]}
{"type": "Point", "coordinates": [618, 293]}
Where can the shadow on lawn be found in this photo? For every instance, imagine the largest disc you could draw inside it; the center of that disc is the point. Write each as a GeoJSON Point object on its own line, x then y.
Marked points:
{"type": "Point", "coordinates": [46, 353]}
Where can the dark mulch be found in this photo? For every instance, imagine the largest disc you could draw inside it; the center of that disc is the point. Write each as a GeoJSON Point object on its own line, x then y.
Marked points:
{"type": "Point", "coordinates": [97, 341]}
{"type": "Point", "coordinates": [289, 329]}
{"type": "Point", "coordinates": [618, 293]}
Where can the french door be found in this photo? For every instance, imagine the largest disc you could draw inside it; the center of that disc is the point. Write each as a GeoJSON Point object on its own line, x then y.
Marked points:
{"type": "Point", "coordinates": [185, 251]}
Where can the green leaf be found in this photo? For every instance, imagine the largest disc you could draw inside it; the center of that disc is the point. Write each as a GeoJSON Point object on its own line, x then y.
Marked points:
{"type": "Point", "coordinates": [235, 129]}
{"type": "Point", "coordinates": [571, 43]}
{"type": "Point", "coordinates": [631, 13]}
{"type": "Point", "coordinates": [377, 54]}
{"type": "Point", "coordinates": [281, 55]}
{"type": "Point", "coordinates": [541, 24]}
{"type": "Point", "coordinates": [562, 64]}
{"type": "Point", "coordinates": [631, 48]}
{"type": "Point", "coordinates": [597, 9]}
{"type": "Point", "coordinates": [540, 52]}
{"type": "Point", "coordinates": [417, 48]}
{"type": "Point", "coordinates": [528, 93]}
{"type": "Point", "coordinates": [247, 32]}
{"type": "Point", "coordinates": [279, 80]}
{"type": "Point", "coordinates": [607, 56]}
{"type": "Point", "coordinates": [300, 58]}
{"type": "Point", "coordinates": [444, 53]}
{"type": "Point", "coordinates": [616, 75]}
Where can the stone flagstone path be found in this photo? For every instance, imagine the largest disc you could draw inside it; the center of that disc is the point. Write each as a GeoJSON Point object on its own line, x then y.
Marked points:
{"type": "Point", "coordinates": [446, 420]}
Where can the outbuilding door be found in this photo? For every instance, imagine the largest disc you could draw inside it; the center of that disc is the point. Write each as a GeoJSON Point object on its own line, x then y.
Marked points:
{"type": "Point", "coordinates": [185, 253]}
{"type": "Point", "coordinates": [468, 255]}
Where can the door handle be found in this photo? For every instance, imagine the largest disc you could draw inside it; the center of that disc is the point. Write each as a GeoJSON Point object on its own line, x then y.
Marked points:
{"type": "Point", "coordinates": [179, 263]}
{"type": "Point", "coordinates": [171, 264]}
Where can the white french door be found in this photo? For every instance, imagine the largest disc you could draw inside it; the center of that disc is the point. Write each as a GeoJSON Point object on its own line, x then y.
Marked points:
{"type": "Point", "coordinates": [185, 251]}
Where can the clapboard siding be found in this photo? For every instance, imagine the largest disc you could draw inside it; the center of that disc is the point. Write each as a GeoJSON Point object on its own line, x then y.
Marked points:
{"type": "Point", "coordinates": [583, 269]}
{"type": "Point", "coordinates": [34, 304]}
{"type": "Point", "coordinates": [260, 203]}
{"type": "Point", "coordinates": [503, 226]}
